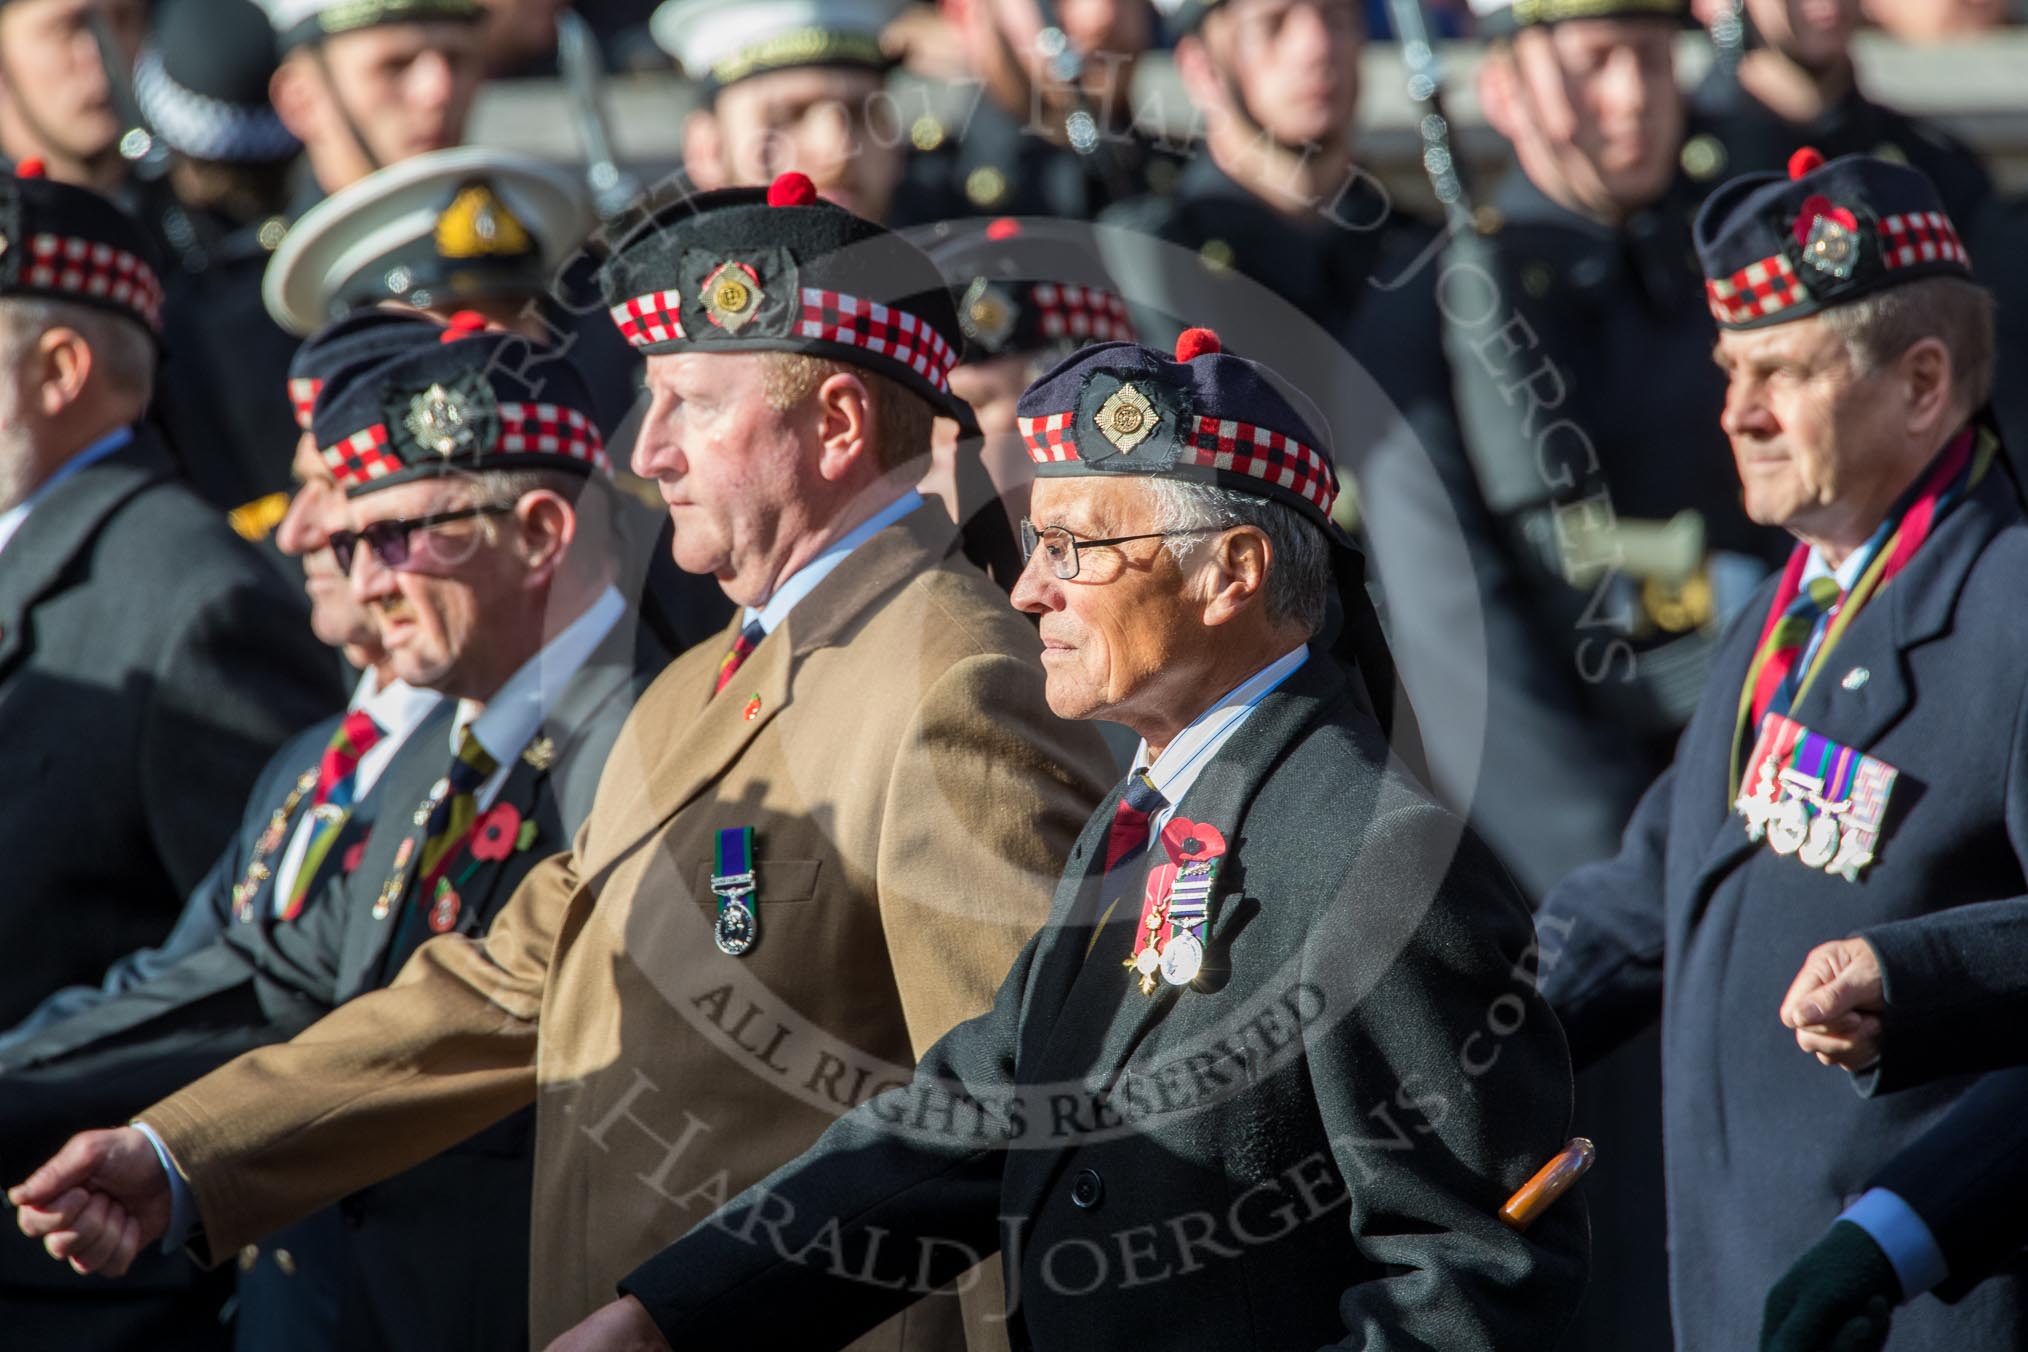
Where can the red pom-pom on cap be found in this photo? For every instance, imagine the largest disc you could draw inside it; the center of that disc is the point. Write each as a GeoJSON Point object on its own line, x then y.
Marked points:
{"type": "Point", "coordinates": [1196, 343]}
{"type": "Point", "coordinates": [463, 324]}
{"type": "Point", "coordinates": [1004, 228]}
{"type": "Point", "coordinates": [32, 167]}
{"type": "Point", "coordinates": [792, 190]}
{"type": "Point", "coordinates": [1805, 161]}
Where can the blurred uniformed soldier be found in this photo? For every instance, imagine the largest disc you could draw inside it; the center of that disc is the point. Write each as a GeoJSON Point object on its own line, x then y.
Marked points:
{"type": "Point", "coordinates": [1272, 198]}
{"type": "Point", "coordinates": [368, 83]}
{"type": "Point", "coordinates": [56, 100]}
{"type": "Point", "coordinates": [789, 85]}
{"type": "Point", "coordinates": [1787, 80]}
{"type": "Point", "coordinates": [201, 86]}
{"type": "Point", "coordinates": [1029, 294]}
{"type": "Point", "coordinates": [1852, 768]}
{"type": "Point", "coordinates": [1559, 491]}
{"type": "Point", "coordinates": [1033, 142]}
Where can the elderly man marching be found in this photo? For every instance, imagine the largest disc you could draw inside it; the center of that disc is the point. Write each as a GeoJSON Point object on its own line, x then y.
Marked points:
{"type": "Point", "coordinates": [1241, 1091]}
{"type": "Point", "coordinates": [1852, 769]}
{"type": "Point", "coordinates": [817, 844]}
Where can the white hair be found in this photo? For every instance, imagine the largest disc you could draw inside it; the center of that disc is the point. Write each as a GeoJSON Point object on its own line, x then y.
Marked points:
{"type": "Point", "coordinates": [1299, 573]}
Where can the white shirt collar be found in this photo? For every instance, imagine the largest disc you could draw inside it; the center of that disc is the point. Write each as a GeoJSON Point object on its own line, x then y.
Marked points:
{"type": "Point", "coordinates": [804, 580]}
{"type": "Point", "coordinates": [13, 518]}
{"type": "Point", "coordinates": [1177, 768]}
{"type": "Point", "coordinates": [509, 720]}
{"type": "Point", "coordinates": [1845, 573]}
{"type": "Point", "coordinates": [397, 707]}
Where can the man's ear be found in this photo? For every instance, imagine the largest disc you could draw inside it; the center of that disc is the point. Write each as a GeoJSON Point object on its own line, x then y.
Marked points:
{"type": "Point", "coordinates": [1239, 559]}
{"type": "Point", "coordinates": [1930, 387]}
{"type": "Point", "coordinates": [704, 151]}
{"type": "Point", "coordinates": [1201, 84]}
{"type": "Point", "coordinates": [547, 524]}
{"type": "Point", "coordinates": [65, 362]}
{"type": "Point", "coordinates": [297, 96]}
{"type": "Point", "coordinates": [845, 430]}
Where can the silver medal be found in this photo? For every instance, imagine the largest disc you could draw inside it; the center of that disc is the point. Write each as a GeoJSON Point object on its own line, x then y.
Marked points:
{"type": "Point", "coordinates": [1787, 826]}
{"type": "Point", "coordinates": [735, 931]}
{"type": "Point", "coordinates": [1182, 959]}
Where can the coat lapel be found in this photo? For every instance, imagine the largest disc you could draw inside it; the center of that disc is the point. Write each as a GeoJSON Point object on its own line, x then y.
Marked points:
{"type": "Point", "coordinates": [1103, 1017]}
{"type": "Point", "coordinates": [725, 724]}
{"type": "Point", "coordinates": [61, 527]}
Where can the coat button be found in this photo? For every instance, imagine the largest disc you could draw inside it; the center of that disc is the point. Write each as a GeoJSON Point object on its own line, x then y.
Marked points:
{"type": "Point", "coordinates": [286, 1261]}
{"type": "Point", "coordinates": [1087, 1189]}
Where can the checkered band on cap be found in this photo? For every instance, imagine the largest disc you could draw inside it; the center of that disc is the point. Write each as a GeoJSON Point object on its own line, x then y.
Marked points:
{"type": "Point", "coordinates": [548, 429]}
{"type": "Point", "coordinates": [85, 268]}
{"type": "Point", "coordinates": [1048, 437]}
{"type": "Point", "coordinates": [653, 318]}
{"type": "Point", "coordinates": [838, 318]}
{"type": "Point", "coordinates": [303, 398]}
{"type": "Point", "coordinates": [1756, 290]}
{"type": "Point", "coordinates": [1215, 444]}
{"type": "Point", "coordinates": [552, 429]}
{"type": "Point", "coordinates": [831, 316]}
{"type": "Point", "coordinates": [362, 457]}
{"type": "Point", "coordinates": [1920, 237]}
{"type": "Point", "coordinates": [1081, 312]}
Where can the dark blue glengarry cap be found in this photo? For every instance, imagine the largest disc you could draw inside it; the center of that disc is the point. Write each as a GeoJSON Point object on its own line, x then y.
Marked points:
{"type": "Point", "coordinates": [470, 402]}
{"type": "Point", "coordinates": [60, 242]}
{"type": "Point", "coordinates": [1206, 417]}
{"type": "Point", "coordinates": [777, 270]}
{"type": "Point", "coordinates": [1778, 248]}
{"type": "Point", "coordinates": [1028, 287]}
{"type": "Point", "coordinates": [367, 338]}
{"type": "Point", "coordinates": [202, 82]}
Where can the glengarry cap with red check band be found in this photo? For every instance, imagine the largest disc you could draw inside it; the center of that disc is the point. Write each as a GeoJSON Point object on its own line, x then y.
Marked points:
{"type": "Point", "coordinates": [1778, 248]}
{"type": "Point", "coordinates": [473, 401]}
{"type": "Point", "coordinates": [779, 270]}
{"type": "Point", "coordinates": [1203, 415]}
{"type": "Point", "coordinates": [362, 339]}
{"type": "Point", "coordinates": [1033, 287]}
{"type": "Point", "coordinates": [59, 242]}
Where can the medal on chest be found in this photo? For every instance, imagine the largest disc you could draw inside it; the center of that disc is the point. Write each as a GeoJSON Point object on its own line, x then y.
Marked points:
{"type": "Point", "coordinates": [270, 840]}
{"type": "Point", "coordinates": [737, 928]}
{"type": "Point", "coordinates": [1812, 799]}
{"type": "Point", "coordinates": [1175, 905]}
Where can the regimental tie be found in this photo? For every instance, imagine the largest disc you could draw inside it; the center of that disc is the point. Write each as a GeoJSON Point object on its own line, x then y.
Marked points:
{"type": "Point", "coordinates": [334, 777]}
{"type": "Point", "coordinates": [442, 822]}
{"type": "Point", "coordinates": [742, 648]}
{"type": "Point", "coordinates": [1132, 820]}
{"type": "Point", "coordinates": [331, 807]}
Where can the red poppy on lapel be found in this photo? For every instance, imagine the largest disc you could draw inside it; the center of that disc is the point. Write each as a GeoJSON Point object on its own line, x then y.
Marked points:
{"type": "Point", "coordinates": [497, 832]}
{"type": "Point", "coordinates": [444, 912]}
{"type": "Point", "coordinates": [1187, 841]}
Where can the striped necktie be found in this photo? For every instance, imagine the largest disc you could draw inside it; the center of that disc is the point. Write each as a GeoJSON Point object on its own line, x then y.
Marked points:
{"type": "Point", "coordinates": [1132, 819]}
{"type": "Point", "coordinates": [457, 809]}
{"type": "Point", "coordinates": [742, 647]}
{"type": "Point", "coordinates": [331, 806]}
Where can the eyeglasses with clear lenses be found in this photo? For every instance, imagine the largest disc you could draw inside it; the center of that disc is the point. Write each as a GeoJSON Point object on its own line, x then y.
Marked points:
{"type": "Point", "coordinates": [389, 540]}
{"type": "Point", "coordinates": [1059, 547]}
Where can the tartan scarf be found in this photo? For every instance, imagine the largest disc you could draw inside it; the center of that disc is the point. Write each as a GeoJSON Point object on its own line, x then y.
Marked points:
{"type": "Point", "coordinates": [1805, 623]}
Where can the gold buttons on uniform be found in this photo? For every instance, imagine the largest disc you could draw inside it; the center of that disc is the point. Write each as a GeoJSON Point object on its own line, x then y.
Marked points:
{"type": "Point", "coordinates": [248, 1256]}
{"type": "Point", "coordinates": [1703, 157]}
{"type": "Point", "coordinates": [927, 133]}
{"type": "Point", "coordinates": [985, 186]}
{"type": "Point", "coordinates": [271, 232]}
{"type": "Point", "coordinates": [1536, 279]}
{"type": "Point", "coordinates": [1215, 254]}
{"type": "Point", "coordinates": [286, 1261]}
